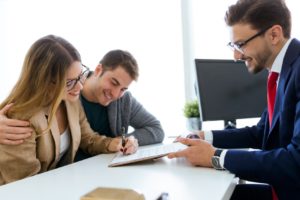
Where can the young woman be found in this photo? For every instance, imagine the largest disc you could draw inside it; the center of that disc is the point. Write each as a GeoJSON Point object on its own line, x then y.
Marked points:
{"type": "Point", "coordinates": [47, 94]}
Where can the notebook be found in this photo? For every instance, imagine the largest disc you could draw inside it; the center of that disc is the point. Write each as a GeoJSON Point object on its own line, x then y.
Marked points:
{"type": "Point", "coordinates": [146, 153]}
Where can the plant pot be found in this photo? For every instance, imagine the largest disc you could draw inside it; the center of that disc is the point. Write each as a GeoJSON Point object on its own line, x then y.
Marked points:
{"type": "Point", "coordinates": [193, 124]}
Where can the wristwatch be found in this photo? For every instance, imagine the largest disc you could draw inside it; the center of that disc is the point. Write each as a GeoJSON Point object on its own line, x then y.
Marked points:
{"type": "Point", "coordinates": [215, 160]}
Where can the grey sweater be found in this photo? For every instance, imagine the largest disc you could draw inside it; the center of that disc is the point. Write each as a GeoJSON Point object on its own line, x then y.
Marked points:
{"type": "Point", "coordinates": [127, 111]}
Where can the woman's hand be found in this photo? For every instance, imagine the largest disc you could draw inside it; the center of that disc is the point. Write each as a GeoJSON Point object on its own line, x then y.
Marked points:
{"type": "Point", "coordinates": [131, 145]}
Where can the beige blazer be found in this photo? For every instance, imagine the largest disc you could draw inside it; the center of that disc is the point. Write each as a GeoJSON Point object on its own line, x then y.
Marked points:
{"type": "Point", "coordinates": [40, 152]}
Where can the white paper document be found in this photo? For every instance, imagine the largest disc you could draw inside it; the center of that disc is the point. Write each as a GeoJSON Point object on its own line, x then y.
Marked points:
{"type": "Point", "coordinates": [146, 153]}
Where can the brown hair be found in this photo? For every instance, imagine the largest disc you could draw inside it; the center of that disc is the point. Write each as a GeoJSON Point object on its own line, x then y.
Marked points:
{"type": "Point", "coordinates": [116, 58]}
{"type": "Point", "coordinates": [43, 78]}
{"type": "Point", "coordinates": [260, 14]}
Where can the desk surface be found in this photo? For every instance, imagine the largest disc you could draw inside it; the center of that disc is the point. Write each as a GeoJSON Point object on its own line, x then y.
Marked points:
{"type": "Point", "coordinates": [176, 177]}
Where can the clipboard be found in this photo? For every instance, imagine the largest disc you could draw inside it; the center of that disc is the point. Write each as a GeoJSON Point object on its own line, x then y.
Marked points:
{"type": "Point", "coordinates": [146, 153]}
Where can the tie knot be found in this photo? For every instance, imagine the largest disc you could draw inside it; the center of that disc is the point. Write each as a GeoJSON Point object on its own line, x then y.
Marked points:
{"type": "Point", "coordinates": [273, 76]}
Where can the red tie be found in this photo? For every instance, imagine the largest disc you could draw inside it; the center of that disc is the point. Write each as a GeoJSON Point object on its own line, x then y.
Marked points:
{"type": "Point", "coordinates": [272, 79]}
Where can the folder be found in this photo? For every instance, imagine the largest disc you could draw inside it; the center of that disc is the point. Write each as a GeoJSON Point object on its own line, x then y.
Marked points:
{"type": "Point", "coordinates": [146, 153]}
{"type": "Point", "coordinates": [103, 193]}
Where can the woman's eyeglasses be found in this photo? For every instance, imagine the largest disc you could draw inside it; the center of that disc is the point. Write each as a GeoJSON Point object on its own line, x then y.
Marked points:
{"type": "Point", "coordinates": [82, 77]}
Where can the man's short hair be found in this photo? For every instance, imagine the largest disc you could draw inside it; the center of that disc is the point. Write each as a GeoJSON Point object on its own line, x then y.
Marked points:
{"type": "Point", "coordinates": [260, 14]}
{"type": "Point", "coordinates": [124, 59]}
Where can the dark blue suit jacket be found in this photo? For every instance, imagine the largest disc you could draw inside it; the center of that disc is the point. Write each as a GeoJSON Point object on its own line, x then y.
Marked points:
{"type": "Point", "coordinates": [278, 164]}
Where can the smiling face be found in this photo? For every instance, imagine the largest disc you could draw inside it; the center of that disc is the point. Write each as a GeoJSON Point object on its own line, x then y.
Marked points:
{"type": "Point", "coordinates": [257, 53]}
{"type": "Point", "coordinates": [110, 85]}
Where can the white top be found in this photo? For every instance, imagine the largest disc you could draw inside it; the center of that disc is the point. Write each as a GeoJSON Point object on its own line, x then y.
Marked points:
{"type": "Point", "coordinates": [64, 142]}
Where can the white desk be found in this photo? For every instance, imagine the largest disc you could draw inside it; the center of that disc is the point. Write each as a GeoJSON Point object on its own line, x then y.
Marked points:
{"type": "Point", "coordinates": [177, 177]}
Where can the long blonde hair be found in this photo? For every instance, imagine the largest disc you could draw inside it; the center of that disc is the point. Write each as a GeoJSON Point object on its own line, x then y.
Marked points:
{"type": "Point", "coordinates": [43, 78]}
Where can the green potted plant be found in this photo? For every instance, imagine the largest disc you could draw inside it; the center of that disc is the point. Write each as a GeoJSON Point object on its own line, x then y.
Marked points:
{"type": "Point", "coordinates": [192, 114]}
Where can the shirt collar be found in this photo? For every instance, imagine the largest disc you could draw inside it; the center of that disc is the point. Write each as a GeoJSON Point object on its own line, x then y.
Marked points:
{"type": "Point", "coordinates": [277, 64]}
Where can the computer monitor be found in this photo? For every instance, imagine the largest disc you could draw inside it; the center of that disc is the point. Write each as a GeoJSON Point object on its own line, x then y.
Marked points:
{"type": "Point", "coordinates": [227, 91]}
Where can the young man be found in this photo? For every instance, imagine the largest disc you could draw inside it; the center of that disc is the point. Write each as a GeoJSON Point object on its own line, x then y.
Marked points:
{"type": "Point", "coordinates": [261, 37]}
{"type": "Point", "coordinates": [108, 107]}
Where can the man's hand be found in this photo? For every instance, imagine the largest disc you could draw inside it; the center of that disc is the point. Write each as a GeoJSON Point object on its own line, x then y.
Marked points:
{"type": "Point", "coordinates": [13, 131]}
{"type": "Point", "coordinates": [198, 153]}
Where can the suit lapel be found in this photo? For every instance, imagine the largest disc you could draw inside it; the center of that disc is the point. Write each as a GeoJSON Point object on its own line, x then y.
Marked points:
{"type": "Point", "coordinates": [74, 129]}
{"type": "Point", "coordinates": [291, 54]}
{"type": "Point", "coordinates": [55, 135]}
{"type": "Point", "coordinates": [280, 93]}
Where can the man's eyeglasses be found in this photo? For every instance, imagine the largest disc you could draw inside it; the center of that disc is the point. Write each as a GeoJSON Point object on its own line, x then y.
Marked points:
{"type": "Point", "coordinates": [238, 45]}
{"type": "Point", "coordinates": [82, 77]}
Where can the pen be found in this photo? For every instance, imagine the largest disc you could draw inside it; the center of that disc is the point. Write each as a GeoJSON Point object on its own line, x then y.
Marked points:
{"type": "Point", "coordinates": [123, 137]}
{"type": "Point", "coordinates": [173, 136]}
{"type": "Point", "coordinates": [163, 196]}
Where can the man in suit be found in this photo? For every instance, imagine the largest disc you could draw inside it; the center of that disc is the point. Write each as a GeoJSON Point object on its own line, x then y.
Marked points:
{"type": "Point", "coordinates": [260, 31]}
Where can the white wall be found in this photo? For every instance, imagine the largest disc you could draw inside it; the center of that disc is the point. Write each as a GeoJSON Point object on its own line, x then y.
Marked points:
{"type": "Point", "coordinates": [211, 33]}
{"type": "Point", "coordinates": [149, 29]}
{"type": "Point", "coordinates": [211, 37]}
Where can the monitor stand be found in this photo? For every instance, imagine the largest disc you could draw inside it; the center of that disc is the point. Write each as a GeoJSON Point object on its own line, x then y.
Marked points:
{"type": "Point", "coordinates": [230, 124]}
